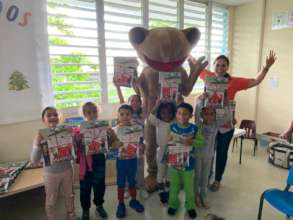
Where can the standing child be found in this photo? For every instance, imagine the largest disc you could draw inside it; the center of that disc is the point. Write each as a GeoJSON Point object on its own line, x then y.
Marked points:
{"type": "Point", "coordinates": [205, 119]}
{"type": "Point", "coordinates": [137, 117]}
{"type": "Point", "coordinates": [57, 176]}
{"type": "Point", "coordinates": [161, 116]}
{"type": "Point", "coordinates": [126, 166]}
{"type": "Point", "coordinates": [92, 166]}
{"type": "Point", "coordinates": [182, 168]}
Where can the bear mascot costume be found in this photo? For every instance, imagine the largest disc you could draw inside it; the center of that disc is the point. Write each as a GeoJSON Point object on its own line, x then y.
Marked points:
{"type": "Point", "coordinates": [162, 50]}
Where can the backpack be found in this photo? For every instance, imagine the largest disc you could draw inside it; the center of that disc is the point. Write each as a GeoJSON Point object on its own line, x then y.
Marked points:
{"type": "Point", "coordinates": [281, 154]}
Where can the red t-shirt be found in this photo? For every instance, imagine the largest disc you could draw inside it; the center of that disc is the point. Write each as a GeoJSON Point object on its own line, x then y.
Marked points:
{"type": "Point", "coordinates": [235, 84]}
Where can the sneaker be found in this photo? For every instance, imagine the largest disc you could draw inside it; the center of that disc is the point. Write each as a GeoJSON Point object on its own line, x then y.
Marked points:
{"type": "Point", "coordinates": [144, 194]}
{"type": "Point", "coordinates": [101, 212]}
{"type": "Point", "coordinates": [136, 205]}
{"type": "Point", "coordinates": [164, 196]}
{"type": "Point", "coordinates": [121, 210]}
{"type": "Point", "coordinates": [171, 211]}
{"type": "Point", "coordinates": [192, 213]}
{"type": "Point", "coordinates": [85, 215]}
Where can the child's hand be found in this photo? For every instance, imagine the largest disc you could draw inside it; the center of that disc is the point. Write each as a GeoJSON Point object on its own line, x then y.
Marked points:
{"type": "Point", "coordinates": [38, 139]}
{"type": "Point", "coordinates": [110, 131]}
{"type": "Point", "coordinates": [189, 141]}
{"type": "Point", "coordinates": [203, 96]}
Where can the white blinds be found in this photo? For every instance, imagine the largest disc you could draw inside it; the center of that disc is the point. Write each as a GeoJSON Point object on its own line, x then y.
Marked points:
{"type": "Point", "coordinates": [119, 17]}
{"type": "Point", "coordinates": [73, 44]}
{"type": "Point", "coordinates": [219, 32]}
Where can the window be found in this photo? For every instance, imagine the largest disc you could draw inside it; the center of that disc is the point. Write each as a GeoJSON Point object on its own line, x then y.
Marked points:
{"type": "Point", "coordinates": [73, 48]}
{"type": "Point", "coordinates": [163, 13]}
{"type": "Point", "coordinates": [219, 32]}
{"type": "Point", "coordinates": [85, 35]}
{"type": "Point", "coordinates": [195, 15]}
{"type": "Point", "coordinates": [120, 17]}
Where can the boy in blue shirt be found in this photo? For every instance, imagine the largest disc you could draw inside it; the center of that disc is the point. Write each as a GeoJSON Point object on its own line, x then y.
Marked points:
{"type": "Point", "coordinates": [182, 138]}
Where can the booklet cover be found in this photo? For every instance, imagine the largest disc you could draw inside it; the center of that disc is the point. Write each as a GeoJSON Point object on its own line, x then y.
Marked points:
{"type": "Point", "coordinates": [217, 91]}
{"type": "Point", "coordinates": [169, 83]}
{"type": "Point", "coordinates": [131, 137]}
{"type": "Point", "coordinates": [94, 137]}
{"type": "Point", "coordinates": [125, 70]}
{"type": "Point", "coordinates": [57, 144]}
{"type": "Point", "coordinates": [8, 173]}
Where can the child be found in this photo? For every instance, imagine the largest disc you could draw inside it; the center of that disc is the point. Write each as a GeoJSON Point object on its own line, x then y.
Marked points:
{"type": "Point", "coordinates": [126, 167]}
{"type": "Point", "coordinates": [161, 116]}
{"type": "Point", "coordinates": [137, 117]}
{"type": "Point", "coordinates": [186, 134]}
{"type": "Point", "coordinates": [57, 176]}
{"type": "Point", "coordinates": [92, 167]}
{"type": "Point", "coordinates": [205, 118]}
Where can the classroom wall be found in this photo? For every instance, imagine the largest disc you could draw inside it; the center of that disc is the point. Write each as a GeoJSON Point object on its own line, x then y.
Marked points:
{"type": "Point", "coordinates": [245, 49]}
{"type": "Point", "coordinates": [275, 106]}
{"type": "Point", "coordinates": [271, 107]}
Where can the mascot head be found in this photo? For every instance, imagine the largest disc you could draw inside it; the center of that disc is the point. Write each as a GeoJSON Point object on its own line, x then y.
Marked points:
{"type": "Point", "coordinates": [163, 49]}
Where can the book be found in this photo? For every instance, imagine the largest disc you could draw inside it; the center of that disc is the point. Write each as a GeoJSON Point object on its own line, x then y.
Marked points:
{"type": "Point", "coordinates": [178, 151]}
{"type": "Point", "coordinates": [169, 84]}
{"type": "Point", "coordinates": [125, 70]}
{"type": "Point", "coordinates": [94, 137]}
{"type": "Point", "coordinates": [8, 173]}
{"type": "Point", "coordinates": [178, 155]}
{"type": "Point", "coordinates": [132, 138]}
{"type": "Point", "coordinates": [216, 87]}
{"type": "Point", "coordinates": [57, 144]}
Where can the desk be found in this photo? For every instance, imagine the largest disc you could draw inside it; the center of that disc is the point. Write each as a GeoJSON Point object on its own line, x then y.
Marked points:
{"type": "Point", "coordinates": [238, 133]}
{"type": "Point", "coordinates": [27, 180]}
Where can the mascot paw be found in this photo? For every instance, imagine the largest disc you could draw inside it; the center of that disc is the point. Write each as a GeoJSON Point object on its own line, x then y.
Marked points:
{"type": "Point", "coordinates": [151, 183]}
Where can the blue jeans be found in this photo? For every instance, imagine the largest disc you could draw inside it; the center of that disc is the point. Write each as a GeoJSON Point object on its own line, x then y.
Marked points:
{"type": "Point", "coordinates": [126, 169]}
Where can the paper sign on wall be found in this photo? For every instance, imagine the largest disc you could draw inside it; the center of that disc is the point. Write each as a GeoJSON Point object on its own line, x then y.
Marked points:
{"type": "Point", "coordinates": [282, 20]}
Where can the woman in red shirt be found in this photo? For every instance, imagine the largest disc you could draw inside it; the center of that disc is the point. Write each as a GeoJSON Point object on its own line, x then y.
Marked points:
{"type": "Point", "coordinates": [235, 84]}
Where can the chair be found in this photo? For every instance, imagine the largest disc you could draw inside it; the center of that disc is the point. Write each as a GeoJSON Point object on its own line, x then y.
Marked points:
{"type": "Point", "coordinates": [281, 200]}
{"type": "Point", "coordinates": [250, 128]}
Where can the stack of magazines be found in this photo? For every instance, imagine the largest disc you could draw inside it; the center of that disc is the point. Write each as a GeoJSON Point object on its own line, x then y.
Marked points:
{"type": "Point", "coordinates": [8, 173]}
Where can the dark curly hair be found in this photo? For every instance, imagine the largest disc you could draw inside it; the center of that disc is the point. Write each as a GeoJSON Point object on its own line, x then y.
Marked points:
{"type": "Point", "coordinates": [166, 105]}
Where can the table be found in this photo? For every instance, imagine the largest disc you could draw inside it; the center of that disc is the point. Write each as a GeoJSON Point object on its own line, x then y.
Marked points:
{"type": "Point", "coordinates": [28, 179]}
{"type": "Point", "coordinates": [239, 133]}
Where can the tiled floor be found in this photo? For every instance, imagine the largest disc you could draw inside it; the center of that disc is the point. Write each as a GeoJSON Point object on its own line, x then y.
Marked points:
{"type": "Point", "coordinates": [237, 199]}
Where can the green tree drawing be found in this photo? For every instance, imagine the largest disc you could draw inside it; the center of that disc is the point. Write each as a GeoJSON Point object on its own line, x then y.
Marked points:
{"type": "Point", "coordinates": [17, 82]}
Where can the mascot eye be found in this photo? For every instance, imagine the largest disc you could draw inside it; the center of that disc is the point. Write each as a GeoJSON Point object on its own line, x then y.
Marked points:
{"type": "Point", "coordinates": [137, 35]}
{"type": "Point", "coordinates": [192, 35]}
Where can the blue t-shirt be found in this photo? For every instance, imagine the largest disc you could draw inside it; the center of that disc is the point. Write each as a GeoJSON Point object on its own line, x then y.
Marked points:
{"type": "Point", "coordinates": [189, 130]}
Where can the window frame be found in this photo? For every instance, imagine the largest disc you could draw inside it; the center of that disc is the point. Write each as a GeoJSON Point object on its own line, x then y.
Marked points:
{"type": "Point", "coordinates": [145, 23]}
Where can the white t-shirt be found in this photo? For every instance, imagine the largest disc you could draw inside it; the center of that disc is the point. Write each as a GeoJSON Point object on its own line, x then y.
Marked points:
{"type": "Point", "coordinates": [162, 131]}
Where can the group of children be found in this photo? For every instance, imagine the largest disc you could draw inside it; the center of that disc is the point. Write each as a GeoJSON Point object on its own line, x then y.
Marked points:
{"type": "Point", "coordinates": [172, 126]}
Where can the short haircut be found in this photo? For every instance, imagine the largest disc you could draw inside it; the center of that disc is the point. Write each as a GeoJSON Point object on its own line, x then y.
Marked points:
{"type": "Point", "coordinates": [166, 105]}
{"type": "Point", "coordinates": [126, 107]}
{"type": "Point", "coordinates": [47, 109]}
{"type": "Point", "coordinates": [222, 57]}
{"type": "Point", "coordinates": [186, 106]}
{"type": "Point", "coordinates": [87, 105]}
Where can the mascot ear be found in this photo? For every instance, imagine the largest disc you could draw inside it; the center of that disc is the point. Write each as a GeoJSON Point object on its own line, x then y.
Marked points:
{"type": "Point", "coordinates": [137, 35]}
{"type": "Point", "coordinates": [192, 35]}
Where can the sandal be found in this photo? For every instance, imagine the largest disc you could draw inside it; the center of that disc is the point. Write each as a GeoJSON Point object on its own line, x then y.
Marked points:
{"type": "Point", "coordinates": [215, 186]}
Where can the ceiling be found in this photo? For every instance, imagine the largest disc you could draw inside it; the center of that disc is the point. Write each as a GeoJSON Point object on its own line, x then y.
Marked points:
{"type": "Point", "coordinates": [233, 2]}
